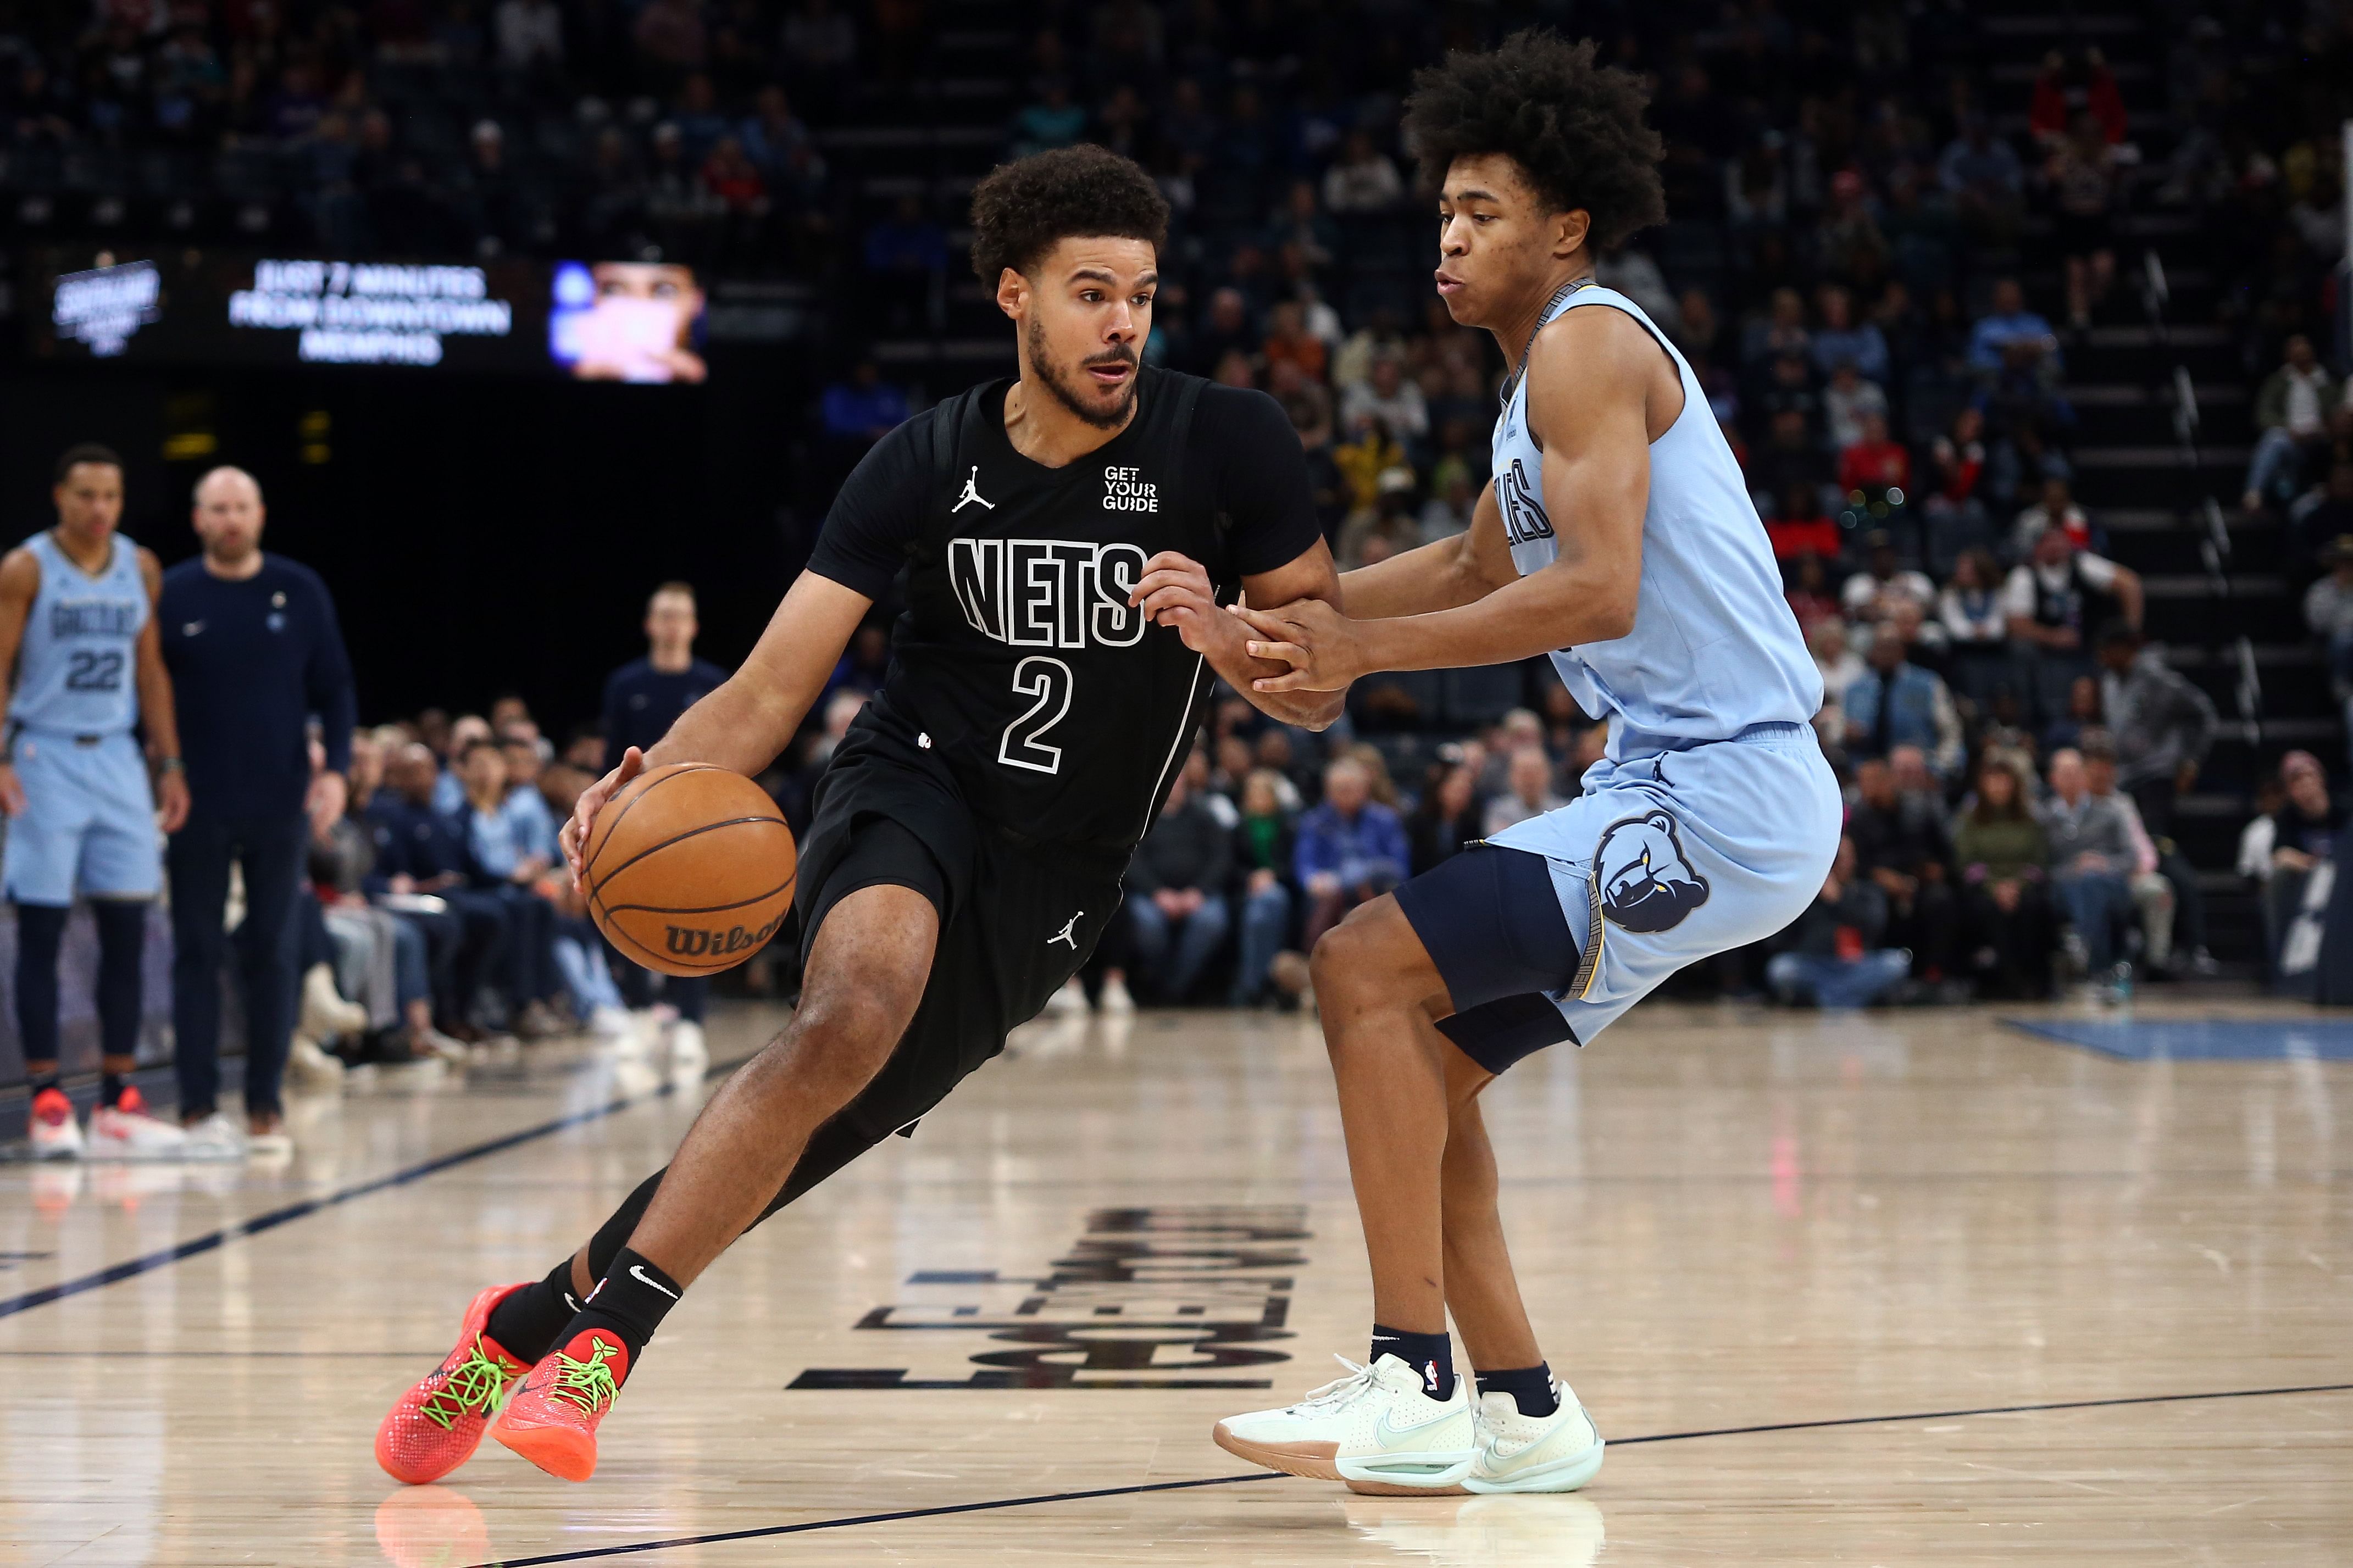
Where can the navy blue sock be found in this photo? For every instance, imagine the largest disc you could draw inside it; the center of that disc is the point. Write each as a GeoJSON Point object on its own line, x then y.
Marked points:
{"type": "Point", "coordinates": [1433, 1355]}
{"type": "Point", "coordinates": [1529, 1386]}
{"type": "Point", "coordinates": [110, 1086]}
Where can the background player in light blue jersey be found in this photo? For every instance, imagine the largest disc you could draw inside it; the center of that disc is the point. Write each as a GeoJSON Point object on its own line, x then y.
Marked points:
{"type": "Point", "coordinates": [77, 630]}
{"type": "Point", "coordinates": [1618, 537]}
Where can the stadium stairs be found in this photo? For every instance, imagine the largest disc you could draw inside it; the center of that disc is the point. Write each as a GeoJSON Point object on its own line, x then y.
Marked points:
{"type": "Point", "coordinates": [2161, 390]}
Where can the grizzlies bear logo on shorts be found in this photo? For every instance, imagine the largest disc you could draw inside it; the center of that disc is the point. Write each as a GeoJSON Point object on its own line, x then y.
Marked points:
{"type": "Point", "coordinates": [1641, 880]}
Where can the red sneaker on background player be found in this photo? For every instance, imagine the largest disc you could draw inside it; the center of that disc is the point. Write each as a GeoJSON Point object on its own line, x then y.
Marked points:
{"type": "Point", "coordinates": [439, 1424]}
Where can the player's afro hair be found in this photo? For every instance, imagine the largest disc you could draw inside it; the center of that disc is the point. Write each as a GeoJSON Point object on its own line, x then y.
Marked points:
{"type": "Point", "coordinates": [1023, 208]}
{"type": "Point", "coordinates": [1574, 127]}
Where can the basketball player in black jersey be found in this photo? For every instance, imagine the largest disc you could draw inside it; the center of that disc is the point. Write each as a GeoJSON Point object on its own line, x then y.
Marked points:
{"type": "Point", "coordinates": [1065, 541]}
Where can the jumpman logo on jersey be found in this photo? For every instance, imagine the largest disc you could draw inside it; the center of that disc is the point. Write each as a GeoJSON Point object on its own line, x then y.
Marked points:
{"type": "Point", "coordinates": [1065, 934]}
{"type": "Point", "coordinates": [971, 494]}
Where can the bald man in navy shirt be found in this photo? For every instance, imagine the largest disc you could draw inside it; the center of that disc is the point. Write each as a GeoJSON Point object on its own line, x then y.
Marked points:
{"type": "Point", "coordinates": [254, 651]}
{"type": "Point", "coordinates": [642, 700]}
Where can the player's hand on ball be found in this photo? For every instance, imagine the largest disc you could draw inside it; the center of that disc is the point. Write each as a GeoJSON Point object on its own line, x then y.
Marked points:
{"type": "Point", "coordinates": [1315, 640]}
{"type": "Point", "coordinates": [574, 837]}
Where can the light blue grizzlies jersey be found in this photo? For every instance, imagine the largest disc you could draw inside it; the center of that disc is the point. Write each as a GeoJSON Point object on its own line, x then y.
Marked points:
{"type": "Point", "coordinates": [76, 673]}
{"type": "Point", "coordinates": [1716, 646]}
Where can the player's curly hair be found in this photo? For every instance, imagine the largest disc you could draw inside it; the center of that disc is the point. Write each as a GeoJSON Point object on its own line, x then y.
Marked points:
{"type": "Point", "coordinates": [1023, 208]}
{"type": "Point", "coordinates": [1574, 127]}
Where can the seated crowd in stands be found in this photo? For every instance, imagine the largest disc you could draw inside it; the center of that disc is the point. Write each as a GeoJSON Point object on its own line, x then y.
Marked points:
{"type": "Point", "coordinates": [443, 912]}
{"type": "Point", "coordinates": [2003, 878]}
{"type": "Point", "coordinates": [441, 902]}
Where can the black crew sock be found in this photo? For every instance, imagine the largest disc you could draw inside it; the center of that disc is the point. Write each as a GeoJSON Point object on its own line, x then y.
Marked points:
{"type": "Point", "coordinates": [46, 1079]}
{"type": "Point", "coordinates": [526, 1323]}
{"type": "Point", "coordinates": [1433, 1355]}
{"type": "Point", "coordinates": [109, 1088]}
{"type": "Point", "coordinates": [628, 1303]}
{"type": "Point", "coordinates": [1530, 1388]}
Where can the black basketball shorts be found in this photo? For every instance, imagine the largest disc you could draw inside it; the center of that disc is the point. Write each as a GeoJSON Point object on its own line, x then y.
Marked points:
{"type": "Point", "coordinates": [1016, 921]}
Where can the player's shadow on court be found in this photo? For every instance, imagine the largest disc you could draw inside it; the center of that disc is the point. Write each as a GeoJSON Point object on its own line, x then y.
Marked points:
{"type": "Point", "coordinates": [1534, 1531]}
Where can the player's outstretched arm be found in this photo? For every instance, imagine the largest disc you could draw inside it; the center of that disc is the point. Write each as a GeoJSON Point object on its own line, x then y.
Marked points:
{"type": "Point", "coordinates": [1175, 592]}
{"type": "Point", "coordinates": [1440, 576]}
{"type": "Point", "coordinates": [755, 712]}
{"type": "Point", "coordinates": [1587, 393]}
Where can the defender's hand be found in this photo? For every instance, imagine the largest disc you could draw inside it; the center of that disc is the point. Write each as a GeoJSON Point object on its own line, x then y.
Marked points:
{"type": "Point", "coordinates": [1323, 646]}
{"type": "Point", "coordinates": [12, 791]}
{"type": "Point", "coordinates": [574, 837]}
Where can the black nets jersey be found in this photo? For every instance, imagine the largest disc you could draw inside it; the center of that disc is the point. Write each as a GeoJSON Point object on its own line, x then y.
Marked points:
{"type": "Point", "coordinates": [1060, 710]}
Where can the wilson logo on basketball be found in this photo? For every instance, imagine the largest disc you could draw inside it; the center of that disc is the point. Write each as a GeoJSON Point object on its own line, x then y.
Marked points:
{"type": "Point", "coordinates": [688, 942]}
{"type": "Point", "coordinates": [689, 868]}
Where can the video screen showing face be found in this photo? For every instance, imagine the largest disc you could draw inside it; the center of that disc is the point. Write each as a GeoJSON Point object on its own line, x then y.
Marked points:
{"type": "Point", "coordinates": [626, 320]}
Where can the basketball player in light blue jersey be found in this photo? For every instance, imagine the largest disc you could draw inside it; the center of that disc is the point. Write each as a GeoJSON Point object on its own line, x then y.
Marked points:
{"type": "Point", "coordinates": [1618, 538]}
{"type": "Point", "coordinates": [77, 626]}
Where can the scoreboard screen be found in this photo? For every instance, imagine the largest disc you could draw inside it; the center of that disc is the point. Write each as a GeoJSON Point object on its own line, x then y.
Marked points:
{"type": "Point", "coordinates": [608, 320]}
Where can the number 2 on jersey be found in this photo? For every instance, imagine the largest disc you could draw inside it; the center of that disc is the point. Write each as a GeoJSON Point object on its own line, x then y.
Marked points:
{"type": "Point", "coordinates": [1048, 681]}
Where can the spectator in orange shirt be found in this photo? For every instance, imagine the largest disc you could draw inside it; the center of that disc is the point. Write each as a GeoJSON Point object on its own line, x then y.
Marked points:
{"type": "Point", "coordinates": [1287, 338]}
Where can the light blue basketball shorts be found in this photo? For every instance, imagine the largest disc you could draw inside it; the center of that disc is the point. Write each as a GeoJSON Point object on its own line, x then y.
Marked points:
{"type": "Point", "coordinates": [1674, 855]}
{"type": "Point", "coordinates": [89, 823]}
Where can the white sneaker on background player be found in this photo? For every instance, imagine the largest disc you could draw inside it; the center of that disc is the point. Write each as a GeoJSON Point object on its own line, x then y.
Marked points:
{"type": "Point", "coordinates": [213, 1138]}
{"type": "Point", "coordinates": [687, 1047]}
{"type": "Point", "coordinates": [643, 1034]}
{"type": "Point", "coordinates": [1375, 1430]}
{"type": "Point", "coordinates": [312, 1068]}
{"type": "Point", "coordinates": [1554, 1453]}
{"type": "Point", "coordinates": [125, 1131]}
{"type": "Point", "coordinates": [52, 1132]}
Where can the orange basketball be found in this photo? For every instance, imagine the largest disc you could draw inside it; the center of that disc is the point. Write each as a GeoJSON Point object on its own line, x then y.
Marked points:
{"type": "Point", "coordinates": [689, 868]}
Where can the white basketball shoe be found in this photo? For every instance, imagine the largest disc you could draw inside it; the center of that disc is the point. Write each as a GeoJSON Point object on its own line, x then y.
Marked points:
{"type": "Point", "coordinates": [1375, 1430]}
{"type": "Point", "coordinates": [1554, 1453]}
{"type": "Point", "coordinates": [125, 1131]}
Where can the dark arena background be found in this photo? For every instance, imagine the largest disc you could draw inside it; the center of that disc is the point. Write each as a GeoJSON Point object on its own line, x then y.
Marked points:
{"type": "Point", "coordinates": [1995, 1210]}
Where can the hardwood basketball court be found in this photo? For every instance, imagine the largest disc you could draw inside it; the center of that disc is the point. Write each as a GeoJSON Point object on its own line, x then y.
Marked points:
{"type": "Point", "coordinates": [1918, 1287]}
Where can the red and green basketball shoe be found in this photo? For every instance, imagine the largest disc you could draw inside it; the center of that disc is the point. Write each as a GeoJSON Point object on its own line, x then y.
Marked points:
{"type": "Point", "coordinates": [552, 1419]}
{"type": "Point", "coordinates": [438, 1424]}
